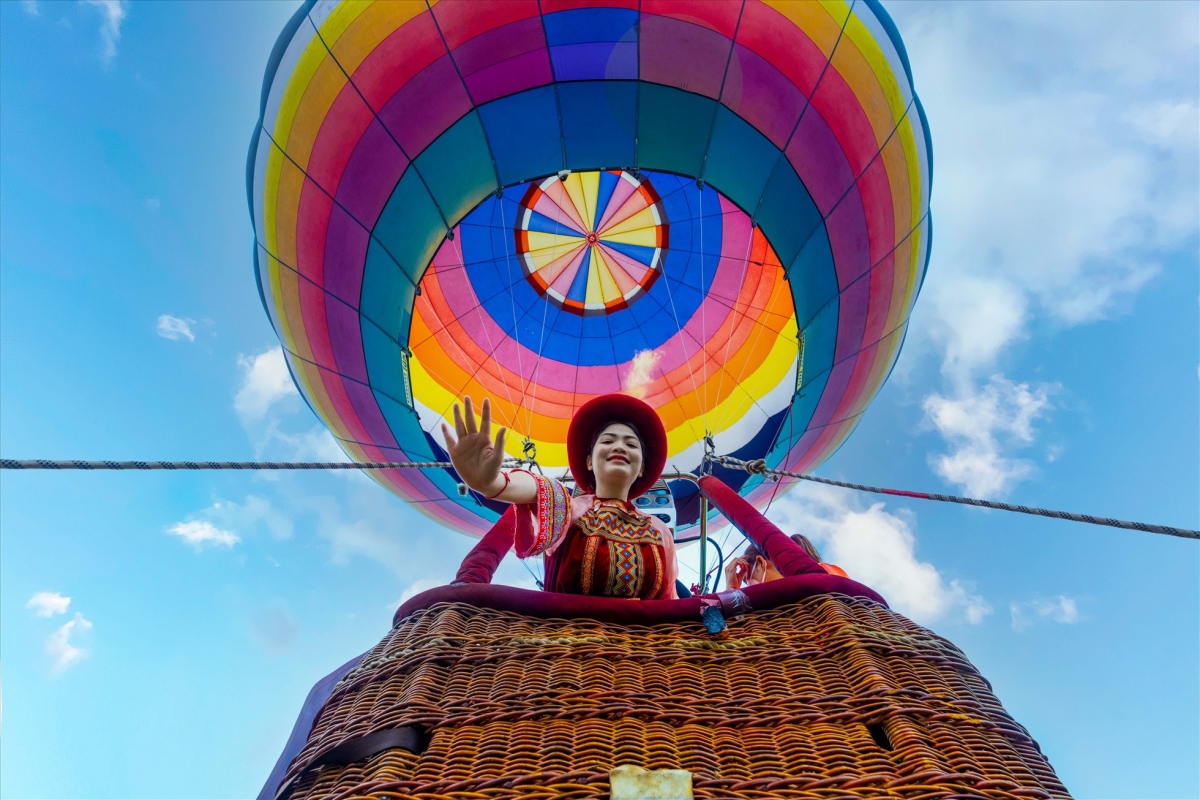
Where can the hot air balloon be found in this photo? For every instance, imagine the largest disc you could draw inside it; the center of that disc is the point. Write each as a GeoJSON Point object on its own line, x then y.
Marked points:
{"type": "Point", "coordinates": [719, 207]}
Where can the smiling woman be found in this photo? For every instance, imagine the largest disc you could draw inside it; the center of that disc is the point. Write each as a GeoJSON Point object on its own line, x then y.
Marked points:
{"type": "Point", "coordinates": [596, 542]}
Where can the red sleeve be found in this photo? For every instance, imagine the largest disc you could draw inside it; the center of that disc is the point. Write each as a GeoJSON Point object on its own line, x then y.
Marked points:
{"type": "Point", "coordinates": [540, 525]}
{"type": "Point", "coordinates": [480, 564]}
{"type": "Point", "coordinates": [787, 556]}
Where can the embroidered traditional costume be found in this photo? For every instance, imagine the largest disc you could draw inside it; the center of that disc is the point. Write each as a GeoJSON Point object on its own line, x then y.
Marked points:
{"type": "Point", "coordinates": [596, 546]}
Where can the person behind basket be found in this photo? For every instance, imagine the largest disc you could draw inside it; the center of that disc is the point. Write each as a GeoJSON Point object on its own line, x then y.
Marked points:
{"type": "Point", "coordinates": [752, 567]}
{"type": "Point", "coordinates": [597, 542]}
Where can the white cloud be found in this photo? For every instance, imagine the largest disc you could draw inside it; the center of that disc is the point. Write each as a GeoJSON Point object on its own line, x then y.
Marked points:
{"type": "Point", "coordinates": [175, 328]}
{"type": "Point", "coordinates": [252, 512]}
{"type": "Point", "coordinates": [62, 651]}
{"type": "Point", "coordinates": [114, 13]}
{"type": "Point", "coordinates": [199, 533]}
{"type": "Point", "coordinates": [265, 381]}
{"type": "Point", "coordinates": [974, 319]}
{"type": "Point", "coordinates": [31, 7]}
{"type": "Point", "coordinates": [1066, 171]}
{"type": "Point", "coordinates": [979, 424]}
{"type": "Point", "coordinates": [1060, 609]}
{"type": "Point", "coordinates": [364, 537]}
{"type": "Point", "coordinates": [414, 589]}
{"type": "Point", "coordinates": [876, 548]}
{"type": "Point", "coordinates": [47, 604]}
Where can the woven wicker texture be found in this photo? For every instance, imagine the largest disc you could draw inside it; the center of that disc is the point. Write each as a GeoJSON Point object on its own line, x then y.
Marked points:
{"type": "Point", "coordinates": [782, 705]}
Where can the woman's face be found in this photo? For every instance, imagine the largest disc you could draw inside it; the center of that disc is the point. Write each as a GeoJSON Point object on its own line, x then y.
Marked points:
{"type": "Point", "coordinates": [616, 459]}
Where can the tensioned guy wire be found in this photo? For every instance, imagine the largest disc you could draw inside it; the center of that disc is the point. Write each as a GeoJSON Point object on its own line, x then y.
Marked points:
{"type": "Point", "coordinates": [758, 467]}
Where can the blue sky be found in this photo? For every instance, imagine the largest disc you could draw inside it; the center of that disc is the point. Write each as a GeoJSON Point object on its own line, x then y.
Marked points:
{"type": "Point", "coordinates": [154, 626]}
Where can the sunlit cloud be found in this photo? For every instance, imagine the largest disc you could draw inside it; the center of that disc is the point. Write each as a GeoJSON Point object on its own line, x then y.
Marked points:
{"type": "Point", "coordinates": [200, 533]}
{"type": "Point", "coordinates": [265, 403]}
{"type": "Point", "coordinates": [251, 513]}
{"type": "Point", "coordinates": [981, 424]}
{"type": "Point", "coordinates": [61, 648]}
{"type": "Point", "coordinates": [47, 604]}
{"type": "Point", "coordinates": [877, 548]}
{"type": "Point", "coordinates": [113, 13]}
{"type": "Point", "coordinates": [1066, 174]}
{"type": "Point", "coordinates": [1061, 609]}
{"type": "Point", "coordinates": [175, 328]}
{"type": "Point", "coordinates": [265, 381]}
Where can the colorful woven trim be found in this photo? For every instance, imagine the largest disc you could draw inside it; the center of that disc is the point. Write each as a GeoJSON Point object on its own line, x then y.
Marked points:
{"type": "Point", "coordinates": [553, 505]}
{"type": "Point", "coordinates": [625, 570]}
{"type": "Point", "coordinates": [614, 520]}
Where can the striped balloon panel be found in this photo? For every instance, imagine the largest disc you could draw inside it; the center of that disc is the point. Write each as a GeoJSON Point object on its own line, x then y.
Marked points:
{"type": "Point", "coordinates": [405, 256]}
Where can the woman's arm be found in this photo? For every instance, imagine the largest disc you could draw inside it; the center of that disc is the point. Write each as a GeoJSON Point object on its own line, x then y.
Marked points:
{"type": "Point", "coordinates": [477, 459]}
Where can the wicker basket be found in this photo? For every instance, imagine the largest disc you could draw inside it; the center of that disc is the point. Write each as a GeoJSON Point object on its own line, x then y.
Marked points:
{"type": "Point", "coordinates": [829, 697]}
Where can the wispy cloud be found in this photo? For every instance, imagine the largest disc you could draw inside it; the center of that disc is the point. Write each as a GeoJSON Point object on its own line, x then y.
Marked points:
{"type": "Point", "coordinates": [199, 533]}
{"type": "Point", "coordinates": [980, 424]}
{"type": "Point", "coordinates": [62, 650]}
{"type": "Point", "coordinates": [47, 604]}
{"type": "Point", "coordinates": [1061, 609]}
{"type": "Point", "coordinates": [264, 403]}
{"type": "Point", "coordinates": [414, 589]}
{"type": "Point", "coordinates": [251, 513]}
{"type": "Point", "coordinates": [1066, 173]}
{"type": "Point", "coordinates": [31, 7]}
{"type": "Point", "coordinates": [113, 13]}
{"type": "Point", "coordinates": [265, 381]}
{"type": "Point", "coordinates": [877, 548]}
{"type": "Point", "coordinates": [175, 328]}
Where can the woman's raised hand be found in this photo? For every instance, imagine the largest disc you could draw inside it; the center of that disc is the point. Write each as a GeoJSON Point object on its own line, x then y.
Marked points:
{"type": "Point", "coordinates": [476, 457]}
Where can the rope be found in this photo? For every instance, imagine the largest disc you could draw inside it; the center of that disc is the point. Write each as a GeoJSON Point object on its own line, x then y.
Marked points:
{"type": "Point", "coordinates": [759, 467]}
{"type": "Point", "coordinates": [41, 463]}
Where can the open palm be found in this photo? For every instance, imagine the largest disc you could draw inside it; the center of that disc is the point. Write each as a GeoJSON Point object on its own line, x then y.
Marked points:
{"type": "Point", "coordinates": [476, 457]}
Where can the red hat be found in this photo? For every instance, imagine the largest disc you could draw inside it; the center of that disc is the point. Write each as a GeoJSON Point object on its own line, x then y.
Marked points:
{"type": "Point", "coordinates": [609, 408]}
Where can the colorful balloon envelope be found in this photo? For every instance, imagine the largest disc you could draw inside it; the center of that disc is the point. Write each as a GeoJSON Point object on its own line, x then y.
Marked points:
{"type": "Point", "coordinates": [721, 207]}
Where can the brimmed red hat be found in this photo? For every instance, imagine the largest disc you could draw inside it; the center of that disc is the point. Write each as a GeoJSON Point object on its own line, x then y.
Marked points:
{"type": "Point", "coordinates": [616, 408]}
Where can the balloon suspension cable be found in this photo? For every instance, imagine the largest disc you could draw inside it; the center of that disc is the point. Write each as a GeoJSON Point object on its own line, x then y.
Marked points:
{"type": "Point", "coordinates": [710, 454]}
{"type": "Point", "coordinates": [703, 543]}
{"type": "Point", "coordinates": [529, 451]}
{"type": "Point", "coordinates": [719, 568]}
{"type": "Point", "coordinates": [759, 467]}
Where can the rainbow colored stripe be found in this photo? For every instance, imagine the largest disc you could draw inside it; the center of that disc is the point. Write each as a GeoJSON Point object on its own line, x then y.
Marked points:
{"type": "Point", "coordinates": [738, 234]}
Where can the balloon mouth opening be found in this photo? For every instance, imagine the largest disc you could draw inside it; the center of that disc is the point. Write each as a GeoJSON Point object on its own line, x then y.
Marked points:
{"type": "Point", "coordinates": [591, 243]}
